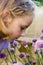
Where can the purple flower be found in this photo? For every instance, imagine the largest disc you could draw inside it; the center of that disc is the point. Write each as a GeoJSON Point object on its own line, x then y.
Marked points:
{"type": "Point", "coordinates": [27, 63]}
{"type": "Point", "coordinates": [38, 44]}
{"type": "Point", "coordinates": [42, 30]}
{"type": "Point", "coordinates": [41, 36]}
{"type": "Point", "coordinates": [15, 43]}
{"type": "Point", "coordinates": [18, 63]}
{"type": "Point", "coordinates": [34, 39]}
{"type": "Point", "coordinates": [2, 55]}
{"type": "Point", "coordinates": [21, 55]}
{"type": "Point", "coordinates": [34, 62]}
{"type": "Point", "coordinates": [14, 62]}
{"type": "Point", "coordinates": [24, 42]}
{"type": "Point", "coordinates": [11, 49]}
{"type": "Point", "coordinates": [27, 55]}
{"type": "Point", "coordinates": [4, 44]}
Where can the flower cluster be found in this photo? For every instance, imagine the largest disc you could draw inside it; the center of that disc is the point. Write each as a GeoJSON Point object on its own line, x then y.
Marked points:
{"type": "Point", "coordinates": [22, 52]}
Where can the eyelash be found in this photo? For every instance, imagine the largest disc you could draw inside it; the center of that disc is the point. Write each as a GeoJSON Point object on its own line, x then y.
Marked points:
{"type": "Point", "coordinates": [23, 28]}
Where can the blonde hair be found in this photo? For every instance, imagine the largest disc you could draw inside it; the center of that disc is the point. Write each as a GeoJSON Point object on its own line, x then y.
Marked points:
{"type": "Point", "coordinates": [8, 9]}
{"type": "Point", "coordinates": [4, 4]}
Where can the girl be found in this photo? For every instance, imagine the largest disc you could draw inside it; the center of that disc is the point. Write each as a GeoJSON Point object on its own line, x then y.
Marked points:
{"type": "Point", "coordinates": [15, 16]}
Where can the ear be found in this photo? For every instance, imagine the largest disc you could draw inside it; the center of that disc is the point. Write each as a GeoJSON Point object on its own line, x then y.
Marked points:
{"type": "Point", "coordinates": [6, 17]}
{"type": "Point", "coordinates": [5, 13]}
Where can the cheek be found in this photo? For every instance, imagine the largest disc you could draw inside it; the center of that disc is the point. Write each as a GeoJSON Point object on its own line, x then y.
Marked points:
{"type": "Point", "coordinates": [15, 35]}
{"type": "Point", "coordinates": [15, 32]}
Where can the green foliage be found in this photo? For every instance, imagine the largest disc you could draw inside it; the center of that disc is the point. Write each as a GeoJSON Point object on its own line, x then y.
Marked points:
{"type": "Point", "coordinates": [38, 2]}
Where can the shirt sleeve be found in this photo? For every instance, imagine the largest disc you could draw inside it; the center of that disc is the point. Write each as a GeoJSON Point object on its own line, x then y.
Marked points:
{"type": "Point", "coordinates": [4, 44]}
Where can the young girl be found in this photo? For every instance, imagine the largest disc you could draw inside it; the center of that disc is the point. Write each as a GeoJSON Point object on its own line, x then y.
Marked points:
{"type": "Point", "coordinates": [15, 16]}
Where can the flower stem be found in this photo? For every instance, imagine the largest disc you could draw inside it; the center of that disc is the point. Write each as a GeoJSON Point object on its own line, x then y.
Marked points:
{"type": "Point", "coordinates": [10, 55]}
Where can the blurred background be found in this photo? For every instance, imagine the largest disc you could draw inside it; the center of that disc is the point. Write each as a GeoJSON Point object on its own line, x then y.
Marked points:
{"type": "Point", "coordinates": [34, 30]}
{"type": "Point", "coordinates": [38, 2]}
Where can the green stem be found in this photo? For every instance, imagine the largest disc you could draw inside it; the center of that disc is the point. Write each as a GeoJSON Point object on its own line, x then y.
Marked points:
{"type": "Point", "coordinates": [10, 55]}
{"type": "Point", "coordinates": [38, 58]}
{"type": "Point", "coordinates": [6, 61]}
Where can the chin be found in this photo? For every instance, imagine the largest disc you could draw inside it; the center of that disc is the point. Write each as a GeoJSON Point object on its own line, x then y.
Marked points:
{"type": "Point", "coordinates": [15, 37]}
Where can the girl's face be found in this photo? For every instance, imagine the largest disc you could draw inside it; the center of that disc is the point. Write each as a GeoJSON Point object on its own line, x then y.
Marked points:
{"type": "Point", "coordinates": [18, 25]}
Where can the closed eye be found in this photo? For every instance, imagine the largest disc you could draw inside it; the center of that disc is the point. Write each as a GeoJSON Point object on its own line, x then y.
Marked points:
{"type": "Point", "coordinates": [23, 28]}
